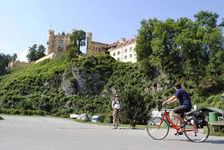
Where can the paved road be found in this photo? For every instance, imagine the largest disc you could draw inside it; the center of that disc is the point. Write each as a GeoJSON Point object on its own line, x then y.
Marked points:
{"type": "Point", "coordinates": [47, 133]}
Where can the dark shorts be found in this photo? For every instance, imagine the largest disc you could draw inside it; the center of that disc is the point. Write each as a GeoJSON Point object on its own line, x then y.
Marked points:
{"type": "Point", "coordinates": [181, 110]}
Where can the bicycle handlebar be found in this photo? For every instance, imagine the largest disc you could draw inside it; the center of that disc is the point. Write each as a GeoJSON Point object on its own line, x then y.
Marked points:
{"type": "Point", "coordinates": [159, 103]}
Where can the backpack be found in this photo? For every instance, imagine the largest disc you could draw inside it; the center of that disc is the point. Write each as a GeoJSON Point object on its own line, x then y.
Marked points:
{"type": "Point", "coordinates": [199, 119]}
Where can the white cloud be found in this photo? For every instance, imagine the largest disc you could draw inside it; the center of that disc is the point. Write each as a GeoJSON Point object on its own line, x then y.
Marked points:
{"type": "Point", "coordinates": [22, 56]}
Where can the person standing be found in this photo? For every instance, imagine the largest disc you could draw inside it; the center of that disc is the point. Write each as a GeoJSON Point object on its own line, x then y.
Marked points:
{"type": "Point", "coordinates": [116, 106]}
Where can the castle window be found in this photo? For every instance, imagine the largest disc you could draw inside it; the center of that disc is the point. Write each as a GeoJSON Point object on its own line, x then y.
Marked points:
{"type": "Point", "coordinates": [118, 53]}
{"type": "Point", "coordinates": [114, 54]}
{"type": "Point", "coordinates": [125, 57]}
{"type": "Point", "coordinates": [130, 49]}
{"type": "Point", "coordinates": [125, 50]}
{"type": "Point", "coordinates": [130, 55]}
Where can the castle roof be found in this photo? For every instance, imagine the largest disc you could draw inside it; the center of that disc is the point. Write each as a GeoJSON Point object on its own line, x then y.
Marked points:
{"type": "Point", "coordinates": [99, 43]}
{"type": "Point", "coordinates": [123, 42]}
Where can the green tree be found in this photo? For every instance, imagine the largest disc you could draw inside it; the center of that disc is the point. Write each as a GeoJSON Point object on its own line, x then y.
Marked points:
{"type": "Point", "coordinates": [206, 19]}
{"type": "Point", "coordinates": [222, 23]}
{"type": "Point", "coordinates": [35, 52]}
{"type": "Point", "coordinates": [71, 52]}
{"type": "Point", "coordinates": [165, 54]}
{"type": "Point", "coordinates": [78, 39]}
{"type": "Point", "coordinates": [31, 56]}
{"type": "Point", "coordinates": [212, 47]}
{"type": "Point", "coordinates": [143, 45]}
{"type": "Point", "coordinates": [2, 64]}
{"type": "Point", "coordinates": [183, 49]}
{"type": "Point", "coordinates": [40, 51]}
{"type": "Point", "coordinates": [13, 57]}
{"type": "Point", "coordinates": [4, 61]}
{"type": "Point", "coordinates": [133, 105]}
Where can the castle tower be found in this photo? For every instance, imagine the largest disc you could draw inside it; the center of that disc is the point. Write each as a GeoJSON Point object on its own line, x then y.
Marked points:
{"type": "Point", "coordinates": [50, 48]}
{"type": "Point", "coordinates": [57, 43]}
{"type": "Point", "coordinates": [89, 43]}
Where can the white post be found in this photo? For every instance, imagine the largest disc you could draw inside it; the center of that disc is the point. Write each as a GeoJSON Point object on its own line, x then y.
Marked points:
{"type": "Point", "coordinates": [195, 107]}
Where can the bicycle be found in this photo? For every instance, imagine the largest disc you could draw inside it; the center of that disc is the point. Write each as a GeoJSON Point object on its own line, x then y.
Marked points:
{"type": "Point", "coordinates": [196, 130]}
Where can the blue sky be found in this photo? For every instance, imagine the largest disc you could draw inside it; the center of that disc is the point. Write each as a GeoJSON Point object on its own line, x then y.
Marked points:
{"type": "Point", "coordinates": [26, 22]}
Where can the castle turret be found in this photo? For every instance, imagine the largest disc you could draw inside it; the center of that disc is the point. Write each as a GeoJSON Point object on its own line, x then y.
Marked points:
{"type": "Point", "coordinates": [50, 41]}
{"type": "Point", "coordinates": [89, 43]}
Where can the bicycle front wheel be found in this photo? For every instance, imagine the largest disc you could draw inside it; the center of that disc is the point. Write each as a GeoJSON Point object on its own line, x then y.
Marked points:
{"type": "Point", "coordinates": [157, 128]}
{"type": "Point", "coordinates": [195, 134]}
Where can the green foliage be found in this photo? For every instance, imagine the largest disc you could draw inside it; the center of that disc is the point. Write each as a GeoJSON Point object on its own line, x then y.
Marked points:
{"type": "Point", "coordinates": [184, 50]}
{"type": "Point", "coordinates": [34, 52]}
{"type": "Point", "coordinates": [4, 61]}
{"type": "Point", "coordinates": [216, 131]}
{"type": "Point", "coordinates": [77, 39]}
{"type": "Point", "coordinates": [23, 112]}
{"type": "Point", "coordinates": [134, 105]}
{"type": "Point", "coordinates": [71, 52]}
{"type": "Point", "coordinates": [94, 79]}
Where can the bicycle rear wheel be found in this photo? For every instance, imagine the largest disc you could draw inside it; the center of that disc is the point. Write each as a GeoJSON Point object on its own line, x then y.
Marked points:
{"type": "Point", "coordinates": [195, 134]}
{"type": "Point", "coordinates": [157, 128]}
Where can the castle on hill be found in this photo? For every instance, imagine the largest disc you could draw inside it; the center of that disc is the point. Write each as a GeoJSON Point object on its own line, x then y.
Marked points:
{"type": "Point", "coordinates": [122, 50]}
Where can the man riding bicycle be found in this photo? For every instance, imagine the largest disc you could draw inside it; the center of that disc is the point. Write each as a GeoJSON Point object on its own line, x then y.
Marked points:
{"type": "Point", "coordinates": [184, 101]}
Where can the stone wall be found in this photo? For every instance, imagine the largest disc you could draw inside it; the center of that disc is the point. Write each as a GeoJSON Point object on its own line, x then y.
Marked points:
{"type": "Point", "coordinates": [15, 65]}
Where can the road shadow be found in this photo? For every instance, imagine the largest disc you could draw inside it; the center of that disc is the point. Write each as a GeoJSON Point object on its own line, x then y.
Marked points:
{"type": "Point", "coordinates": [126, 128]}
{"type": "Point", "coordinates": [215, 141]}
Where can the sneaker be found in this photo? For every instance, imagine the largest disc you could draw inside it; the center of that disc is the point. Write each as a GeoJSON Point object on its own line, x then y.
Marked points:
{"type": "Point", "coordinates": [118, 127]}
{"type": "Point", "coordinates": [114, 127]}
{"type": "Point", "coordinates": [178, 133]}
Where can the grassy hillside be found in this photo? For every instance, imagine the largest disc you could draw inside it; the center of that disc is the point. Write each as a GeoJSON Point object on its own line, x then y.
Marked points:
{"type": "Point", "coordinates": [59, 87]}
{"type": "Point", "coordinates": [87, 84]}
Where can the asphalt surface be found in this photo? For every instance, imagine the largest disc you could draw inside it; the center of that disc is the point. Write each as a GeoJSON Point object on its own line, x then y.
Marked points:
{"type": "Point", "coordinates": [48, 133]}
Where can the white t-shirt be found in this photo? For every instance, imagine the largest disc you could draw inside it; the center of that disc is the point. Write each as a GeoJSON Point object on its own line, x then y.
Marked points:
{"type": "Point", "coordinates": [117, 104]}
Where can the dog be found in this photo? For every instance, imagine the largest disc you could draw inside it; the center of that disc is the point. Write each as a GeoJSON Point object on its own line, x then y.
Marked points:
{"type": "Point", "coordinates": [133, 124]}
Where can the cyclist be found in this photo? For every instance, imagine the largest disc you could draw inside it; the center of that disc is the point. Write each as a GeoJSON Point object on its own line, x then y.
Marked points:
{"type": "Point", "coordinates": [184, 101]}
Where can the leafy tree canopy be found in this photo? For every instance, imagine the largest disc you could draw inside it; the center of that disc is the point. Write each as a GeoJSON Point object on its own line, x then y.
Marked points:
{"type": "Point", "coordinates": [187, 50]}
{"type": "Point", "coordinates": [34, 52]}
{"type": "Point", "coordinates": [78, 39]}
{"type": "Point", "coordinates": [4, 61]}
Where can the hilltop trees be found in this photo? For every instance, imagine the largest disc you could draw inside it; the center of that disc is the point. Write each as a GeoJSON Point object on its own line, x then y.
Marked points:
{"type": "Point", "coordinates": [35, 52]}
{"type": "Point", "coordinates": [4, 60]}
{"type": "Point", "coordinates": [77, 39]}
{"type": "Point", "coordinates": [71, 52]}
{"type": "Point", "coordinates": [187, 50]}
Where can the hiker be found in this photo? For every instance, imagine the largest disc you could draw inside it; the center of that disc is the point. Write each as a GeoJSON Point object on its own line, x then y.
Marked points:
{"type": "Point", "coordinates": [116, 106]}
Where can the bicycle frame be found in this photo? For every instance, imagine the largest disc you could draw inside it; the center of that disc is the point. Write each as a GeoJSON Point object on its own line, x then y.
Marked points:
{"type": "Point", "coordinates": [165, 115]}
